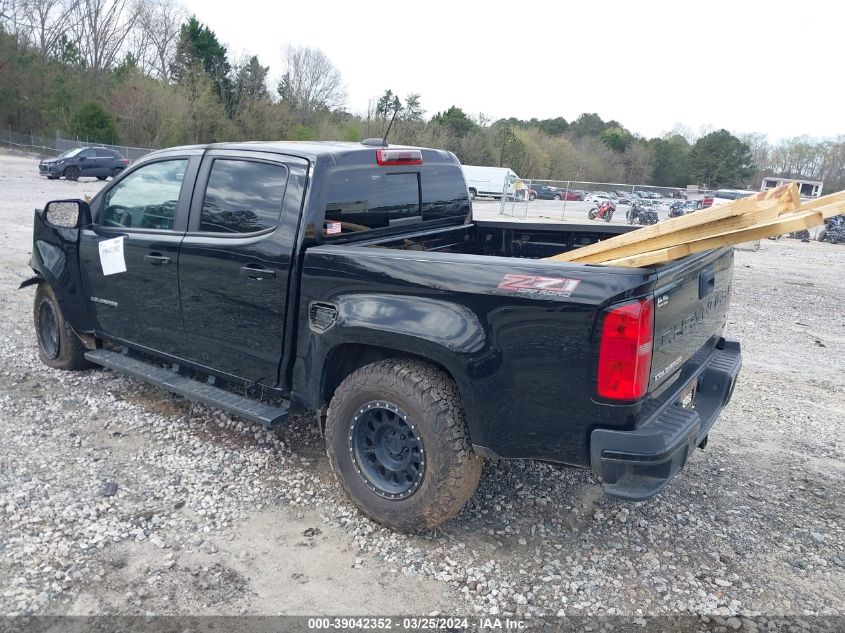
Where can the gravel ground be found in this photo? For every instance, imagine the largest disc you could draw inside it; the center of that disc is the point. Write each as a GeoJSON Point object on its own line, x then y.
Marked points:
{"type": "Point", "coordinates": [118, 498]}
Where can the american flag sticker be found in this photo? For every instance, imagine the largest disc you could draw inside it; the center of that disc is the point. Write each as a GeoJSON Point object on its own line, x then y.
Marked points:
{"type": "Point", "coordinates": [332, 228]}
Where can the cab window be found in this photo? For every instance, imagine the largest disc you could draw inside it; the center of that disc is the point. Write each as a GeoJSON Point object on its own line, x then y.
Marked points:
{"type": "Point", "coordinates": [243, 196]}
{"type": "Point", "coordinates": [147, 198]}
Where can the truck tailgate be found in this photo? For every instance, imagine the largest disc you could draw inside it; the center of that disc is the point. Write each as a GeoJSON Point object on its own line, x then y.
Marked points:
{"type": "Point", "coordinates": [691, 302]}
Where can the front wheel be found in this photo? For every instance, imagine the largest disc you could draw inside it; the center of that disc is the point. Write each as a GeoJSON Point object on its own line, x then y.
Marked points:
{"type": "Point", "coordinates": [58, 346]}
{"type": "Point", "coordinates": [72, 173]}
{"type": "Point", "coordinates": [591, 214]}
{"type": "Point", "coordinates": [398, 443]}
{"type": "Point", "coordinates": [472, 194]}
{"type": "Point", "coordinates": [822, 236]}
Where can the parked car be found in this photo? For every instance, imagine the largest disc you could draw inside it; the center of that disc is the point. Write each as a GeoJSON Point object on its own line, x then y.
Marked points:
{"type": "Point", "coordinates": [677, 193]}
{"type": "Point", "coordinates": [305, 281]}
{"type": "Point", "coordinates": [707, 201]}
{"type": "Point", "coordinates": [598, 197]}
{"type": "Point", "coordinates": [97, 162]}
{"type": "Point", "coordinates": [572, 194]}
{"type": "Point", "coordinates": [544, 192]}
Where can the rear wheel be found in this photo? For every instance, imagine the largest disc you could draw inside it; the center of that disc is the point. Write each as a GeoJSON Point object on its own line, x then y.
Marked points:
{"type": "Point", "coordinates": [822, 235]}
{"type": "Point", "coordinates": [591, 214]}
{"type": "Point", "coordinates": [72, 173]}
{"type": "Point", "coordinates": [398, 443]}
{"type": "Point", "coordinates": [531, 197]}
{"type": "Point", "coordinates": [472, 193]}
{"type": "Point", "coordinates": [101, 177]}
{"type": "Point", "coordinates": [58, 346]}
{"type": "Point", "coordinates": [557, 196]}
{"type": "Point", "coordinates": [116, 172]}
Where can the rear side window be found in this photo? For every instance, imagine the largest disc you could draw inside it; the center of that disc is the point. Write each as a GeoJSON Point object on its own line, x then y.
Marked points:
{"type": "Point", "coordinates": [242, 196]}
{"type": "Point", "coordinates": [366, 199]}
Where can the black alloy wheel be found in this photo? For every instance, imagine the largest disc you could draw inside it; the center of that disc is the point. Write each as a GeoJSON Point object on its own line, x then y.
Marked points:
{"type": "Point", "coordinates": [387, 452]}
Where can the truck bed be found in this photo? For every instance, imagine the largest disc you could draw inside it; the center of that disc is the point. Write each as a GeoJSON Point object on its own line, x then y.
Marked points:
{"type": "Point", "coordinates": [504, 239]}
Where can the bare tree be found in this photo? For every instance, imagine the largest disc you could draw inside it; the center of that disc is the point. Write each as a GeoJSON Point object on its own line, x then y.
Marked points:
{"type": "Point", "coordinates": [13, 21]}
{"type": "Point", "coordinates": [157, 36]}
{"type": "Point", "coordinates": [104, 26]}
{"type": "Point", "coordinates": [311, 82]}
{"type": "Point", "coordinates": [48, 20]}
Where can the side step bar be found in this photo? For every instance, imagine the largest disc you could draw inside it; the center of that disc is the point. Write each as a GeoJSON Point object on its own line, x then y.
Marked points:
{"type": "Point", "coordinates": [192, 389]}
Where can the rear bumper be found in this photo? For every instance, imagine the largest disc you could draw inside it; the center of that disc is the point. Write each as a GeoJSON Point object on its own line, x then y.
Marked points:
{"type": "Point", "coordinates": [636, 465]}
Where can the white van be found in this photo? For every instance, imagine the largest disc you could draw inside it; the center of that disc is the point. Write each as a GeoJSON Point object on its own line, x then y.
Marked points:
{"type": "Point", "coordinates": [723, 196]}
{"type": "Point", "coordinates": [489, 181]}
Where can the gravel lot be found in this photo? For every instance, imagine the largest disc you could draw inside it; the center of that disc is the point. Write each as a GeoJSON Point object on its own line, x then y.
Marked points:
{"type": "Point", "coordinates": [118, 498]}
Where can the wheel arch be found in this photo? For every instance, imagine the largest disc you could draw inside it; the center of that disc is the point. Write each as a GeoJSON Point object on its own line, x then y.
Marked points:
{"type": "Point", "coordinates": [346, 358]}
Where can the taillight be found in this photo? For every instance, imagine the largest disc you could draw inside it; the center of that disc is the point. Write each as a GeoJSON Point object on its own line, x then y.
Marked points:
{"type": "Point", "coordinates": [125, 161]}
{"type": "Point", "coordinates": [625, 350]}
{"type": "Point", "coordinates": [398, 157]}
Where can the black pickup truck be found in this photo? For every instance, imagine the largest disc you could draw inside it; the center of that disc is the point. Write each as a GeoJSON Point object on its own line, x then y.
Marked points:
{"type": "Point", "coordinates": [350, 279]}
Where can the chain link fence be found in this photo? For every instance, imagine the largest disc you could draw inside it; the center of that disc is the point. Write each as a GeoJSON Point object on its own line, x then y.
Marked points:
{"type": "Point", "coordinates": [572, 199]}
{"type": "Point", "coordinates": [45, 147]}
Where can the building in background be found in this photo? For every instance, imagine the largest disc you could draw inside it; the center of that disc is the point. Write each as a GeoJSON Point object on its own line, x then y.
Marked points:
{"type": "Point", "coordinates": [806, 188]}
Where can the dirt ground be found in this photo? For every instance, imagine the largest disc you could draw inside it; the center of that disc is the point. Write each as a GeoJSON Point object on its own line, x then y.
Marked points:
{"type": "Point", "coordinates": [211, 515]}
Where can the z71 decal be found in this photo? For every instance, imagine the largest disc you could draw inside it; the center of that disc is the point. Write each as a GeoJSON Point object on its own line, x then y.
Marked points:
{"type": "Point", "coordinates": [534, 284]}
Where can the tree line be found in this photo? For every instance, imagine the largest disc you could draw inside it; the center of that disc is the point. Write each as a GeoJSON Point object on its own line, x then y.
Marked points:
{"type": "Point", "coordinates": [145, 73]}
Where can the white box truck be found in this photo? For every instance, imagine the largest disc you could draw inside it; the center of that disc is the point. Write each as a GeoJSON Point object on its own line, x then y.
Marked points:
{"type": "Point", "coordinates": [489, 181]}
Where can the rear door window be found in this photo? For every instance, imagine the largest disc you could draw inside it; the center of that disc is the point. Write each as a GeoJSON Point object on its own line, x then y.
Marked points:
{"type": "Point", "coordinates": [243, 196]}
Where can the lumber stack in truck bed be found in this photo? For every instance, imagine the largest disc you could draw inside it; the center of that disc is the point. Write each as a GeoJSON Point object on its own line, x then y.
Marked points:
{"type": "Point", "coordinates": [766, 214]}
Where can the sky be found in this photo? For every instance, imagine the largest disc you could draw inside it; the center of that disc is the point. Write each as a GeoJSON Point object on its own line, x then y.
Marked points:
{"type": "Point", "coordinates": [767, 67]}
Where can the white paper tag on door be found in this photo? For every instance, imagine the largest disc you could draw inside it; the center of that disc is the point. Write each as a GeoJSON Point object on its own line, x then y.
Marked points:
{"type": "Point", "coordinates": [111, 256]}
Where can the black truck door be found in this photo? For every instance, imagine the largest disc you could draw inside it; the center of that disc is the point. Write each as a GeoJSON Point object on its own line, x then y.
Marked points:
{"type": "Point", "coordinates": [129, 256]}
{"type": "Point", "coordinates": [235, 261]}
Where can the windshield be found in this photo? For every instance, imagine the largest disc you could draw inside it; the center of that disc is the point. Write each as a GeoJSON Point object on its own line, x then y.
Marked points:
{"type": "Point", "coordinates": [70, 152]}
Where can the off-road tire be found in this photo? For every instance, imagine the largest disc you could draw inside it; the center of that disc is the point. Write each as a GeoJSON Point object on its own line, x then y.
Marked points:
{"type": "Point", "coordinates": [431, 400]}
{"type": "Point", "coordinates": [71, 352]}
{"type": "Point", "coordinates": [71, 173]}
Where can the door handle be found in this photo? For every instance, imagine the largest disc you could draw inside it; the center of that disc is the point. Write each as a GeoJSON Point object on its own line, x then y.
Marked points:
{"type": "Point", "coordinates": [253, 272]}
{"type": "Point", "coordinates": [156, 260]}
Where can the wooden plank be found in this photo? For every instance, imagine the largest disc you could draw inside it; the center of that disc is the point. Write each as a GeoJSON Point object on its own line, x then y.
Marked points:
{"type": "Point", "coordinates": [824, 201]}
{"type": "Point", "coordinates": [793, 222]}
{"type": "Point", "coordinates": [767, 211]}
{"type": "Point", "coordinates": [757, 203]}
{"type": "Point", "coordinates": [672, 239]}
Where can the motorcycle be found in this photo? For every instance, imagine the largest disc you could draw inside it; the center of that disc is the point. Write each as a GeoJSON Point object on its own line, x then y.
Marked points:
{"type": "Point", "coordinates": [833, 231]}
{"type": "Point", "coordinates": [603, 212]}
{"type": "Point", "coordinates": [676, 209]}
{"type": "Point", "coordinates": [638, 214]}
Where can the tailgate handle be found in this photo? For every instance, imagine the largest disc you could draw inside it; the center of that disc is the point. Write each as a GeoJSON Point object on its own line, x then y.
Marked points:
{"type": "Point", "coordinates": [706, 282]}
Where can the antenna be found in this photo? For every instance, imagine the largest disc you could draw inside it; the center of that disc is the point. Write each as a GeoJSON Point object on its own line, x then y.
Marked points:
{"type": "Point", "coordinates": [395, 112]}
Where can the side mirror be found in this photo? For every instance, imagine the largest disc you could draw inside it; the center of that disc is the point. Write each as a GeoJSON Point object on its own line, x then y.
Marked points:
{"type": "Point", "coordinates": [68, 214]}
